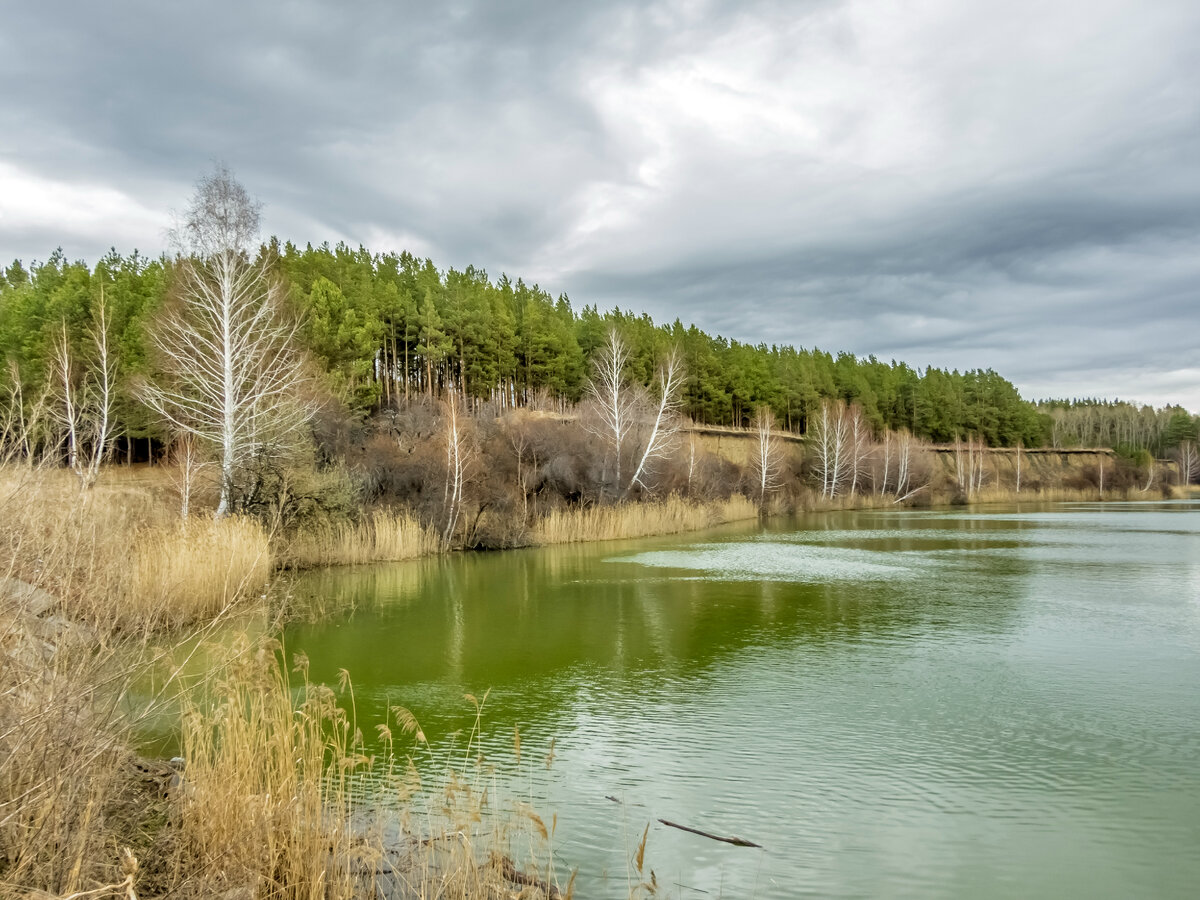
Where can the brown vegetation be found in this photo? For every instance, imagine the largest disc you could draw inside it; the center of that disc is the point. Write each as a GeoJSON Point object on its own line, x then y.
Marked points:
{"type": "Point", "coordinates": [634, 520]}
{"type": "Point", "coordinates": [271, 801]}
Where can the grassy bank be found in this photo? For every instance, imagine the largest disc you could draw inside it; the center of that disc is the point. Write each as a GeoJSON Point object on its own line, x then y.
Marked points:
{"type": "Point", "coordinates": [94, 590]}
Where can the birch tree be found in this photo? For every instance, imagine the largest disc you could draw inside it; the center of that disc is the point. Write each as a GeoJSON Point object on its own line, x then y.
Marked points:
{"type": "Point", "coordinates": [22, 426]}
{"type": "Point", "coordinates": [831, 439]}
{"type": "Point", "coordinates": [1189, 462]}
{"type": "Point", "coordinates": [860, 445]}
{"type": "Point", "coordinates": [664, 432]}
{"type": "Point", "coordinates": [615, 403]}
{"type": "Point", "coordinates": [459, 453]}
{"type": "Point", "coordinates": [86, 395]}
{"type": "Point", "coordinates": [766, 463]}
{"type": "Point", "coordinates": [229, 356]}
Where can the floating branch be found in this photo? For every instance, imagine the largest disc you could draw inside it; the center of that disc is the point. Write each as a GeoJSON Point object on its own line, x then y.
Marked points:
{"type": "Point", "coordinates": [736, 841]}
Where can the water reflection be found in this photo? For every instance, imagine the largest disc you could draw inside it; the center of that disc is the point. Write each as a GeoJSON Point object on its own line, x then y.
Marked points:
{"type": "Point", "coordinates": [896, 704]}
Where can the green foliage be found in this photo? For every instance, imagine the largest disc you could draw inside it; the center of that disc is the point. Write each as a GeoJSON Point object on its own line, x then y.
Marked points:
{"type": "Point", "coordinates": [1116, 423]}
{"type": "Point", "coordinates": [385, 326]}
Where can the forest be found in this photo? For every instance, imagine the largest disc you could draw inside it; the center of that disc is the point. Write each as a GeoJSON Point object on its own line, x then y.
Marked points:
{"type": "Point", "coordinates": [386, 326]}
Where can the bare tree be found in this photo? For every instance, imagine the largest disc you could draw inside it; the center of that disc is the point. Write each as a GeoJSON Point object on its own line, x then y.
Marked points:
{"type": "Point", "coordinates": [458, 457]}
{"type": "Point", "coordinates": [766, 462]}
{"type": "Point", "coordinates": [63, 367]}
{"type": "Point", "coordinates": [903, 462]}
{"type": "Point", "coordinates": [831, 439]}
{"type": "Point", "coordinates": [969, 465]}
{"type": "Point", "coordinates": [517, 434]}
{"type": "Point", "coordinates": [1020, 447]}
{"type": "Point", "coordinates": [664, 433]}
{"type": "Point", "coordinates": [691, 463]}
{"type": "Point", "coordinates": [186, 453]}
{"type": "Point", "coordinates": [21, 427]}
{"type": "Point", "coordinates": [881, 483]}
{"type": "Point", "coordinates": [229, 355]}
{"type": "Point", "coordinates": [860, 444]}
{"type": "Point", "coordinates": [1189, 462]}
{"type": "Point", "coordinates": [85, 397]}
{"type": "Point", "coordinates": [615, 403]}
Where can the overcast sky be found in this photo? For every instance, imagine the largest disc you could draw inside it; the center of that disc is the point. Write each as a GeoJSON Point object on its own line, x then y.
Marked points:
{"type": "Point", "coordinates": [1011, 184]}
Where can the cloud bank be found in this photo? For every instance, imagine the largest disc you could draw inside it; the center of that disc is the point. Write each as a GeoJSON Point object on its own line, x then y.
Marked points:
{"type": "Point", "coordinates": [1013, 185]}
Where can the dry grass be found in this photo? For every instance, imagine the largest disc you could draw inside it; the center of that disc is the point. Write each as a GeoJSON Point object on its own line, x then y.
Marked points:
{"type": "Point", "coordinates": [994, 494]}
{"type": "Point", "coordinates": [194, 570]}
{"type": "Point", "coordinates": [384, 536]}
{"type": "Point", "coordinates": [282, 799]}
{"type": "Point", "coordinates": [811, 501]}
{"type": "Point", "coordinates": [272, 803]}
{"type": "Point", "coordinates": [947, 496]}
{"type": "Point", "coordinates": [118, 556]}
{"type": "Point", "coordinates": [633, 520]}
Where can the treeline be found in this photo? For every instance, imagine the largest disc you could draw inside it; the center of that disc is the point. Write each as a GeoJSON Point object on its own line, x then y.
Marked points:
{"type": "Point", "coordinates": [388, 326]}
{"type": "Point", "coordinates": [1119, 424]}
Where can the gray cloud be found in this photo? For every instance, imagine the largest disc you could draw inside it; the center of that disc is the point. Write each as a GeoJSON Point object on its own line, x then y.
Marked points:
{"type": "Point", "coordinates": [1010, 185]}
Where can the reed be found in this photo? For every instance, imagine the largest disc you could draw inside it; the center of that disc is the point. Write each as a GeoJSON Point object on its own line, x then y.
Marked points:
{"type": "Point", "coordinates": [383, 536]}
{"type": "Point", "coordinates": [194, 570]}
{"type": "Point", "coordinates": [282, 798]}
{"type": "Point", "coordinates": [279, 797]}
{"type": "Point", "coordinates": [633, 520]}
{"type": "Point", "coordinates": [118, 555]}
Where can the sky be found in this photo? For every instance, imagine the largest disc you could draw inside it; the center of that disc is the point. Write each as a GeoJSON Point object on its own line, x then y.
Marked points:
{"type": "Point", "coordinates": [1011, 185]}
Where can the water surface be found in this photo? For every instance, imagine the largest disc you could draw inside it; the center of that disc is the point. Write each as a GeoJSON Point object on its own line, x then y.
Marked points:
{"type": "Point", "coordinates": [910, 704]}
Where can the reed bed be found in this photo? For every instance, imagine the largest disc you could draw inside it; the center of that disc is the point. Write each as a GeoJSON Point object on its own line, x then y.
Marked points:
{"type": "Point", "coordinates": [195, 569]}
{"type": "Point", "coordinates": [995, 494]}
{"type": "Point", "coordinates": [281, 798]}
{"type": "Point", "coordinates": [278, 798]}
{"type": "Point", "coordinates": [633, 520]}
{"type": "Point", "coordinates": [118, 555]}
{"type": "Point", "coordinates": [383, 536]}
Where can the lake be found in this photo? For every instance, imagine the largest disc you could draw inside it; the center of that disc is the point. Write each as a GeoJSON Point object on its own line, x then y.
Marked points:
{"type": "Point", "coordinates": [957, 703]}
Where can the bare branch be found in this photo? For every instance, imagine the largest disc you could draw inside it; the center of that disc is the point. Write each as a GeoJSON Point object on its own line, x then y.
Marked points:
{"type": "Point", "coordinates": [766, 463]}
{"type": "Point", "coordinates": [231, 359]}
{"type": "Point", "coordinates": [664, 434]}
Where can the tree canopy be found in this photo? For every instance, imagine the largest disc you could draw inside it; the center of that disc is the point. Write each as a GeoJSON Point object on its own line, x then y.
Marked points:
{"type": "Point", "coordinates": [386, 325]}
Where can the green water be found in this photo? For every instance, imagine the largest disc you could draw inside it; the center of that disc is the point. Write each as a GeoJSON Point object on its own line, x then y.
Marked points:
{"type": "Point", "coordinates": [912, 704]}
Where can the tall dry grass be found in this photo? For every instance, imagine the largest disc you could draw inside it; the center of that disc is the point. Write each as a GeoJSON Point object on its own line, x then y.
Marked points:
{"type": "Point", "coordinates": [273, 800]}
{"type": "Point", "coordinates": [633, 520]}
{"type": "Point", "coordinates": [282, 798]}
{"type": "Point", "coordinates": [195, 569]}
{"type": "Point", "coordinates": [118, 555]}
{"type": "Point", "coordinates": [383, 536]}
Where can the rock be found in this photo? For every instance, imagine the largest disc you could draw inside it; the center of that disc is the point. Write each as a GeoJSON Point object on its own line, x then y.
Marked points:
{"type": "Point", "coordinates": [25, 595]}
